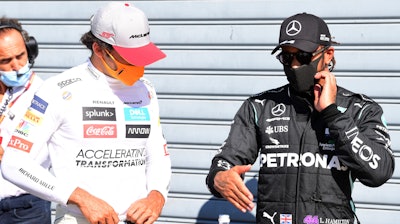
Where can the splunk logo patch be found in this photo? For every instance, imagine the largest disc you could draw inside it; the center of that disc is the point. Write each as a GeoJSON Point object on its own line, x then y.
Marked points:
{"type": "Point", "coordinates": [98, 114]}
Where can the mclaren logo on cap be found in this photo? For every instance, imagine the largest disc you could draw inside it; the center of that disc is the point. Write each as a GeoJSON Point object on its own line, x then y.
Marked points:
{"type": "Point", "coordinates": [293, 28]}
{"type": "Point", "coordinates": [139, 35]}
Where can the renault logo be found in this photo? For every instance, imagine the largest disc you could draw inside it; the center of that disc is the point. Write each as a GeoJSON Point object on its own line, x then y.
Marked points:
{"type": "Point", "coordinates": [278, 110]}
{"type": "Point", "coordinates": [293, 28]}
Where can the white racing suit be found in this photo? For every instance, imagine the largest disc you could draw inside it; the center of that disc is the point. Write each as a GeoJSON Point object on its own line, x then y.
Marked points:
{"type": "Point", "coordinates": [12, 114]}
{"type": "Point", "coordinates": [102, 136]}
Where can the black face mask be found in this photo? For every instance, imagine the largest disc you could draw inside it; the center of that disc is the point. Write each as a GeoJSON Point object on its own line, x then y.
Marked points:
{"type": "Point", "coordinates": [301, 79]}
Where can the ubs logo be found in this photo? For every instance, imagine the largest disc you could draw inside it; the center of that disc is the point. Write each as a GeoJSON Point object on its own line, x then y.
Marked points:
{"type": "Point", "coordinates": [278, 110]}
{"type": "Point", "coordinates": [293, 28]}
{"type": "Point", "coordinates": [276, 129]}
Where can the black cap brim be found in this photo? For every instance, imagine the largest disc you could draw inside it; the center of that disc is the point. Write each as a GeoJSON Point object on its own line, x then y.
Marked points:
{"type": "Point", "coordinates": [304, 45]}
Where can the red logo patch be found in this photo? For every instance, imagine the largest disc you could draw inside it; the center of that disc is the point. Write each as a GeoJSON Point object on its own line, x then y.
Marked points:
{"type": "Point", "coordinates": [106, 35]}
{"type": "Point", "coordinates": [99, 131]}
{"type": "Point", "coordinates": [20, 143]}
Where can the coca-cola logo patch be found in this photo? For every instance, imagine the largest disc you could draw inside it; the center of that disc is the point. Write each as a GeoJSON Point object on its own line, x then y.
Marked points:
{"type": "Point", "coordinates": [99, 131]}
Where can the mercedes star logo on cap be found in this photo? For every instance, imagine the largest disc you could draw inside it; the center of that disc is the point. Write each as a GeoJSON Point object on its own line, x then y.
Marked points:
{"type": "Point", "coordinates": [293, 28]}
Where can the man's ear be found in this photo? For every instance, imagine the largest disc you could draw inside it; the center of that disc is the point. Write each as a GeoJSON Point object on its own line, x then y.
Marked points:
{"type": "Point", "coordinates": [330, 53]}
{"type": "Point", "coordinates": [97, 49]}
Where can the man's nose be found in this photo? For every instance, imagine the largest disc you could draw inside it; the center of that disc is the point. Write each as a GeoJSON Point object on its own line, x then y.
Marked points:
{"type": "Point", "coordinates": [295, 63]}
{"type": "Point", "coordinates": [16, 64]}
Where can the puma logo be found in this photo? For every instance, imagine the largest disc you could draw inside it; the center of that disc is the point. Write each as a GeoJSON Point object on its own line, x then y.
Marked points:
{"type": "Point", "coordinates": [266, 215]}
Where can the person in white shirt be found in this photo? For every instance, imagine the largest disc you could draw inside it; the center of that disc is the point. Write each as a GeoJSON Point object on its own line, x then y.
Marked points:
{"type": "Point", "coordinates": [100, 121]}
{"type": "Point", "coordinates": [18, 84]}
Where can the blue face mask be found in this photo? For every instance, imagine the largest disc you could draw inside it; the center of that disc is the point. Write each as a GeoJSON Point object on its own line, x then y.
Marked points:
{"type": "Point", "coordinates": [16, 78]}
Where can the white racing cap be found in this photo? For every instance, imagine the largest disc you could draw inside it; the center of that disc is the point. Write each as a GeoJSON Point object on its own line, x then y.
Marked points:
{"type": "Point", "coordinates": [126, 28]}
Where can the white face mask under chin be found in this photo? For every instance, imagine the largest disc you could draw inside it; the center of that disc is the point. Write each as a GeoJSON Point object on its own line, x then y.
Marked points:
{"type": "Point", "coordinates": [16, 78]}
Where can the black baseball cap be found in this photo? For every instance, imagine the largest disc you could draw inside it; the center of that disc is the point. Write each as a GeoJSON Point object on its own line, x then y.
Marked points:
{"type": "Point", "coordinates": [305, 32]}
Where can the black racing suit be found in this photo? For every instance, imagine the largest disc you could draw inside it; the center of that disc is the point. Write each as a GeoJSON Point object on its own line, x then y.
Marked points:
{"type": "Point", "coordinates": [309, 160]}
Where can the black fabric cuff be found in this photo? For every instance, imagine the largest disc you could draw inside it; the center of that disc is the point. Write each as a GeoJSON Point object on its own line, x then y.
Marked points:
{"type": "Point", "coordinates": [210, 181]}
{"type": "Point", "coordinates": [330, 113]}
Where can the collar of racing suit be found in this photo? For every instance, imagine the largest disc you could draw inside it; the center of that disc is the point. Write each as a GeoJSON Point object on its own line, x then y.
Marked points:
{"type": "Point", "coordinates": [302, 102]}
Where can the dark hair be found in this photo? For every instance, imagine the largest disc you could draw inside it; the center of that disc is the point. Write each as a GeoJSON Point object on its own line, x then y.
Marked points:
{"type": "Point", "coordinates": [88, 39]}
{"type": "Point", "coordinates": [8, 23]}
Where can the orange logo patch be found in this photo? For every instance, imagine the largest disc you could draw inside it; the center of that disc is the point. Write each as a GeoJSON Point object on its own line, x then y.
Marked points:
{"type": "Point", "coordinates": [32, 118]}
{"type": "Point", "coordinates": [20, 143]}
